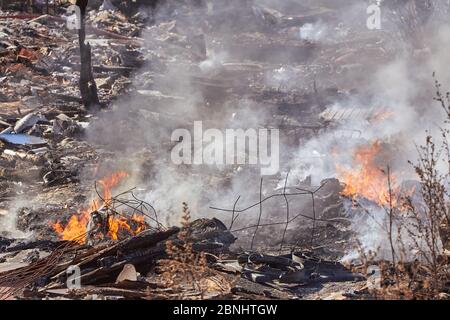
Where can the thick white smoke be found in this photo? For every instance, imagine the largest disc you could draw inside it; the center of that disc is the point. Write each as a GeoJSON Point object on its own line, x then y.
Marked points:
{"type": "Point", "coordinates": [404, 87]}
{"type": "Point", "coordinates": [170, 96]}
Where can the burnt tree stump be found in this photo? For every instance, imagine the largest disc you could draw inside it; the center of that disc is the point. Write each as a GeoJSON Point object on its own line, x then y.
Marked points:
{"type": "Point", "coordinates": [88, 87]}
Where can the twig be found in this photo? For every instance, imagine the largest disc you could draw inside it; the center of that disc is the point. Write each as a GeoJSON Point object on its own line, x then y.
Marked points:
{"type": "Point", "coordinates": [260, 213]}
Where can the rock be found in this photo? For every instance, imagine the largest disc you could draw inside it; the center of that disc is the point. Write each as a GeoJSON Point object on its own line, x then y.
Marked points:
{"type": "Point", "coordinates": [210, 235]}
{"type": "Point", "coordinates": [128, 273]}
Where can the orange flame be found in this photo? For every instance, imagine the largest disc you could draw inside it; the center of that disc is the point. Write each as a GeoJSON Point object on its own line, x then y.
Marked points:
{"type": "Point", "coordinates": [76, 228]}
{"type": "Point", "coordinates": [367, 179]}
{"type": "Point", "coordinates": [382, 116]}
{"type": "Point", "coordinates": [110, 182]}
{"type": "Point", "coordinates": [116, 224]}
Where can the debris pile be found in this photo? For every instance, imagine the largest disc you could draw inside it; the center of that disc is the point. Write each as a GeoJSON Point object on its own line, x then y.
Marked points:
{"type": "Point", "coordinates": [163, 65]}
{"type": "Point", "coordinates": [42, 120]}
{"type": "Point", "coordinates": [136, 268]}
{"type": "Point", "coordinates": [43, 124]}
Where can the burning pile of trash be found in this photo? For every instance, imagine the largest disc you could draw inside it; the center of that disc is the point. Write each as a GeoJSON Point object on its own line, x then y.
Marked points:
{"type": "Point", "coordinates": [92, 207]}
{"type": "Point", "coordinates": [119, 249]}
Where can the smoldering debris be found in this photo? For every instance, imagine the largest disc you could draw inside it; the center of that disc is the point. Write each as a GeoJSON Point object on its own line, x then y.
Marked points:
{"type": "Point", "coordinates": [126, 269]}
{"type": "Point", "coordinates": [124, 232]}
{"type": "Point", "coordinates": [311, 69]}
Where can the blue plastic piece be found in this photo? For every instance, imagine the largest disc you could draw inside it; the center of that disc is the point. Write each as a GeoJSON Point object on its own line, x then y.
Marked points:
{"type": "Point", "coordinates": [21, 139]}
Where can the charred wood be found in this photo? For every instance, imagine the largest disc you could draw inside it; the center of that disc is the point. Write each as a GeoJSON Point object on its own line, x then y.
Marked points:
{"type": "Point", "coordinates": [88, 87]}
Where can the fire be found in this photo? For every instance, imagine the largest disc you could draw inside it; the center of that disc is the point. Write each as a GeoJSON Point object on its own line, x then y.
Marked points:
{"type": "Point", "coordinates": [115, 224]}
{"type": "Point", "coordinates": [382, 116]}
{"type": "Point", "coordinates": [367, 179]}
{"type": "Point", "coordinates": [76, 228]}
{"type": "Point", "coordinates": [110, 182]}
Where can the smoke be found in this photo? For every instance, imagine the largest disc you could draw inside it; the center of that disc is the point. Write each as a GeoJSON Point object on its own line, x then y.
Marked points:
{"type": "Point", "coordinates": [404, 86]}
{"type": "Point", "coordinates": [322, 33]}
{"type": "Point", "coordinates": [8, 219]}
{"type": "Point", "coordinates": [317, 32]}
{"type": "Point", "coordinates": [166, 94]}
{"type": "Point", "coordinates": [182, 82]}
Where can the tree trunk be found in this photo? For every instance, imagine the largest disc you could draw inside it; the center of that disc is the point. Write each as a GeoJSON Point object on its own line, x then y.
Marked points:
{"type": "Point", "coordinates": [88, 87]}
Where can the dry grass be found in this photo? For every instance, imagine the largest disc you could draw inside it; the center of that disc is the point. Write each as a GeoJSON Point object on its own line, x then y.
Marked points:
{"type": "Point", "coordinates": [186, 273]}
{"type": "Point", "coordinates": [422, 229]}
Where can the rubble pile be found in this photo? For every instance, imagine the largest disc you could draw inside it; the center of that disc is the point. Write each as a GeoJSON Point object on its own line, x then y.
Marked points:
{"type": "Point", "coordinates": [134, 268]}
{"type": "Point", "coordinates": [45, 156]}
{"type": "Point", "coordinates": [42, 120]}
{"type": "Point", "coordinates": [163, 65]}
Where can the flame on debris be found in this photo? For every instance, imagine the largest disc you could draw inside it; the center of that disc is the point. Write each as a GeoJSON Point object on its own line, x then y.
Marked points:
{"type": "Point", "coordinates": [110, 182]}
{"type": "Point", "coordinates": [382, 116]}
{"type": "Point", "coordinates": [76, 227]}
{"type": "Point", "coordinates": [367, 179]}
{"type": "Point", "coordinates": [115, 224]}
